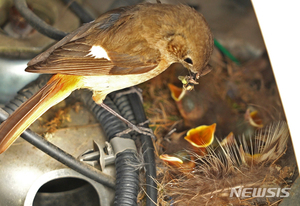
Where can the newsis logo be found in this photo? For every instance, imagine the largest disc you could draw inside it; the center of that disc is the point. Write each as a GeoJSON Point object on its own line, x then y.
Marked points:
{"type": "Point", "coordinates": [259, 192]}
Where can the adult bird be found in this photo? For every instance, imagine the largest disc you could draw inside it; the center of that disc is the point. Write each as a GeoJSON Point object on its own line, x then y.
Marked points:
{"type": "Point", "coordinates": [122, 48]}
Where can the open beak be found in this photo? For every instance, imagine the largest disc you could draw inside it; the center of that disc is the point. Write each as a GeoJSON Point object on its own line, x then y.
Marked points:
{"type": "Point", "coordinates": [177, 93]}
{"type": "Point", "coordinates": [202, 136]}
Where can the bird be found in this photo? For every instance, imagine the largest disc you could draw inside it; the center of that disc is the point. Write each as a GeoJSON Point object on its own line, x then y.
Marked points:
{"type": "Point", "coordinates": [121, 48]}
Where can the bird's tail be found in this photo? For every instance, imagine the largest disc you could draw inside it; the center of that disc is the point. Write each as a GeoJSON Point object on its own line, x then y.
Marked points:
{"type": "Point", "coordinates": [57, 89]}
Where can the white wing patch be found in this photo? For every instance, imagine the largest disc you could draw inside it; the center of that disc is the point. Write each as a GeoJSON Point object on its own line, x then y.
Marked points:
{"type": "Point", "coordinates": [98, 52]}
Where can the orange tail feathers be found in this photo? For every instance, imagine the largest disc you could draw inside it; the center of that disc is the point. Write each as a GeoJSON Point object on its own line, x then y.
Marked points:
{"type": "Point", "coordinates": [57, 89]}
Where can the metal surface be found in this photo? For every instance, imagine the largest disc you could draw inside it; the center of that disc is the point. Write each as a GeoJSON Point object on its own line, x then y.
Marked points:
{"type": "Point", "coordinates": [13, 78]}
{"type": "Point", "coordinates": [17, 47]}
{"type": "Point", "coordinates": [53, 12]}
{"type": "Point", "coordinates": [24, 169]}
{"type": "Point", "coordinates": [105, 195]}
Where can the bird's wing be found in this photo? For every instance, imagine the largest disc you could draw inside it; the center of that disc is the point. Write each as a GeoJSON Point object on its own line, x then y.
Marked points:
{"type": "Point", "coordinates": [104, 46]}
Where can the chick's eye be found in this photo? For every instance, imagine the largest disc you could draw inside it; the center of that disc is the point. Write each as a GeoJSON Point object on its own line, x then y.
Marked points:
{"type": "Point", "coordinates": [188, 60]}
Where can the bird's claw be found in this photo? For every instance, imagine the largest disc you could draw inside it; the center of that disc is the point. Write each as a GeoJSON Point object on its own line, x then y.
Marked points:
{"type": "Point", "coordinates": [139, 129]}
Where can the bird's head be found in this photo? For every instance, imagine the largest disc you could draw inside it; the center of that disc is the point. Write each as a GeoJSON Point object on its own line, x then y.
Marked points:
{"type": "Point", "coordinates": [180, 33]}
{"type": "Point", "coordinates": [190, 42]}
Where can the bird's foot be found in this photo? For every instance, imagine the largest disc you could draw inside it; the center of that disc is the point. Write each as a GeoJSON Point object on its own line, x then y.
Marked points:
{"type": "Point", "coordinates": [139, 129]}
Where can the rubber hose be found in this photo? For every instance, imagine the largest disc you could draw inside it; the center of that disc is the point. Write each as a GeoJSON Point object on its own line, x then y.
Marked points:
{"type": "Point", "coordinates": [38, 23]}
{"type": "Point", "coordinates": [127, 170]}
{"type": "Point", "coordinates": [47, 147]}
{"type": "Point", "coordinates": [125, 104]}
{"type": "Point", "coordinates": [148, 151]}
{"type": "Point", "coordinates": [127, 178]}
{"type": "Point", "coordinates": [83, 15]}
{"type": "Point", "coordinates": [111, 124]}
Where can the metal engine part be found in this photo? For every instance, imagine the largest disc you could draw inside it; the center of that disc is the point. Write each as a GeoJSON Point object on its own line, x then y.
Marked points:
{"type": "Point", "coordinates": [19, 42]}
{"type": "Point", "coordinates": [30, 177]}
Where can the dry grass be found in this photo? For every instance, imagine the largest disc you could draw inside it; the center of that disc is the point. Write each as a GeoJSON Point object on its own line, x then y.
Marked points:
{"type": "Point", "coordinates": [222, 97]}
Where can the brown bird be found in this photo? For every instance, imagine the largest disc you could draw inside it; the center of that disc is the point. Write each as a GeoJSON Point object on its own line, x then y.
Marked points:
{"type": "Point", "coordinates": [122, 48]}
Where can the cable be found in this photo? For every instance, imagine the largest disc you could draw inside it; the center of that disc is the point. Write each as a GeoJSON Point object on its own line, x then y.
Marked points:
{"type": "Point", "coordinates": [226, 52]}
{"type": "Point", "coordinates": [47, 147]}
{"type": "Point", "coordinates": [127, 162]}
{"type": "Point", "coordinates": [148, 150]}
{"type": "Point", "coordinates": [38, 23]}
{"type": "Point", "coordinates": [125, 104]}
{"type": "Point", "coordinates": [121, 3]}
{"type": "Point", "coordinates": [51, 32]}
{"type": "Point", "coordinates": [84, 16]}
{"type": "Point", "coordinates": [110, 123]}
{"type": "Point", "coordinates": [64, 157]}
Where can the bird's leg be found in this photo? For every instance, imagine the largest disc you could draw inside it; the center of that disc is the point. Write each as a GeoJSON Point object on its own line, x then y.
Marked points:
{"type": "Point", "coordinates": [130, 125]}
{"type": "Point", "coordinates": [98, 98]}
{"type": "Point", "coordinates": [139, 129]}
{"type": "Point", "coordinates": [142, 130]}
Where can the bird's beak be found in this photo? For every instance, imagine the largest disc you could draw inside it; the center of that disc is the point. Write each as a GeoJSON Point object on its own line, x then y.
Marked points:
{"type": "Point", "coordinates": [189, 81]}
{"type": "Point", "coordinates": [177, 93]}
{"type": "Point", "coordinates": [202, 136]}
{"type": "Point", "coordinates": [195, 76]}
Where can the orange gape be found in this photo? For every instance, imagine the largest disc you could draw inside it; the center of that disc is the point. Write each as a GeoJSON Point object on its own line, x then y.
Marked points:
{"type": "Point", "coordinates": [122, 48]}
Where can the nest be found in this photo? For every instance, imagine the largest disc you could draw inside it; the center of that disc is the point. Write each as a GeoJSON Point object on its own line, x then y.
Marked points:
{"type": "Point", "coordinates": [225, 96]}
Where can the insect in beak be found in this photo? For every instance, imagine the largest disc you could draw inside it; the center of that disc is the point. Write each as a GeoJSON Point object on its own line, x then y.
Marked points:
{"type": "Point", "coordinates": [189, 81]}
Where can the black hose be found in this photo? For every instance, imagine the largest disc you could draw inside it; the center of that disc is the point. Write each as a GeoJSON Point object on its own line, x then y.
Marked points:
{"type": "Point", "coordinates": [110, 123]}
{"type": "Point", "coordinates": [38, 23]}
{"type": "Point", "coordinates": [137, 115]}
{"type": "Point", "coordinates": [127, 178]}
{"type": "Point", "coordinates": [63, 157]}
{"type": "Point", "coordinates": [51, 32]}
{"type": "Point", "coordinates": [127, 162]}
{"type": "Point", "coordinates": [110, 129]}
{"type": "Point", "coordinates": [148, 150]}
{"type": "Point", "coordinates": [25, 93]}
{"type": "Point", "coordinates": [84, 16]}
{"type": "Point", "coordinates": [123, 105]}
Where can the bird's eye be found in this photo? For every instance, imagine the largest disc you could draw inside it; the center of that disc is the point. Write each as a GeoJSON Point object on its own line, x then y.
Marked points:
{"type": "Point", "coordinates": [188, 60]}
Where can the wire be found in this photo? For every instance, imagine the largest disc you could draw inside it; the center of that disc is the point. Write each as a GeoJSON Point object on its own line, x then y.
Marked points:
{"type": "Point", "coordinates": [148, 150]}
{"type": "Point", "coordinates": [64, 157]}
{"type": "Point", "coordinates": [84, 16]}
{"type": "Point", "coordinates": [226, 52]}
{"type": "Point", "coordinates": [131, 107]}
{"type": "Point", "coordinates": [38, 23]}
{"type": "Point", "coordinates": [127, 171]}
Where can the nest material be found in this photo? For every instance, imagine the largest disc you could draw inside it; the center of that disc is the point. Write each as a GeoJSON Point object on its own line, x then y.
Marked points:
{"type": "Point", "coordinates": [238, 165]}
{"type": "Point", "coordinates": [225, 94]}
